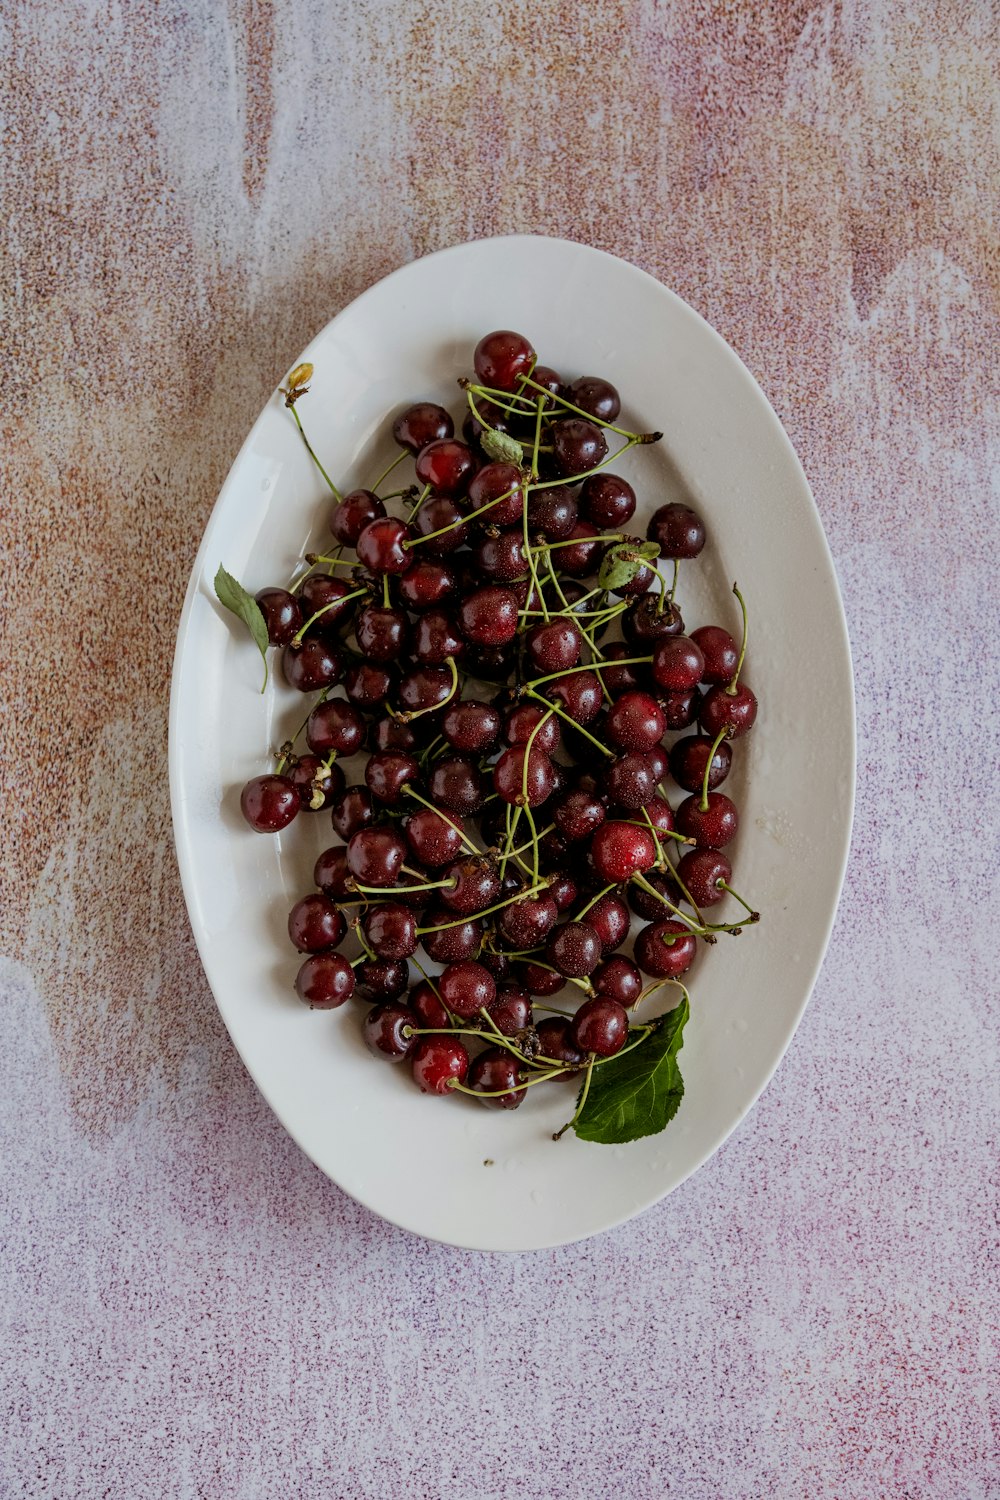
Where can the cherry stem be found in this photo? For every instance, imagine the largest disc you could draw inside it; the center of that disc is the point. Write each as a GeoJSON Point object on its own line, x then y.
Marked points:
{"type": "Point", "coordinates": [646, 885]}
{"type": "Point", "coordinates": [512, 816]}
{"type": "Point", "coordinates": [673, 586]}
{"type": "Point", "coordinates": [475, 916]}
{"type": "Point", "coordinates": [593, 902]}
{"type": "Point", "coordinates": [582, 1100]}
{"type": "Point", "coordinates": [731, 687]}
{"type": "Point", "coordinates": [298, 422]}
{"type": "Point", "coordinates": [409, 792]}
{"type": "Point", "coordinates": [578, 410]}
{"type": "Point", "coordinates": [418, 713]}
{"type": "Point", "coordinates": [703, 804]}
{"type": "Point", "coordinates": [725, 886]}
{"type": "Point", "coordinates": [418, 502]}
{"type": "Point", "coordinates": [431, 885]}
{"type": "Point", "coordinates": [629, 661]}
{"type": "Point", "coordinates": [386, 472]}
{"type": "Point", "coordinates": [581, 984]}
{"type": "Point", "coordinates": [461, 1088]}
{"type": "Point", "coordinates": [312, 558]}
{"type": "Point", "coordinates": [333, 604]}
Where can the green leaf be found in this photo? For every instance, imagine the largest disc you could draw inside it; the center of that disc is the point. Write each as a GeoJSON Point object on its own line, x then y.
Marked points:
{"type": "Point", "coordinates": [638, 1093]}
{"type": "Point", "coordinates": [234, 596]}
{"type": "Point", "coordinates": [506, 450]}
{"type": "Point", "coordinates": [622, 563]}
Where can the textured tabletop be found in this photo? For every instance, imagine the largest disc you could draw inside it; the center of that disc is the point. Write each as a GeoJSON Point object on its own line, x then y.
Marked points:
{"type": "Point", "coordinates": [189, 1308]}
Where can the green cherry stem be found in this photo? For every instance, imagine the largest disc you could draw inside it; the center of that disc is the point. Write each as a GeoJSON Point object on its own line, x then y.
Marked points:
{"type": "Point", "coordinates": [461, 1088]}
{"type": "Point", "coordinates": [582, 1100]}
{"type": "Point", "coordinates": [731, 686]}
{"type": "Point", "coordinates": [408, 791]}
{"type": "Point", "coordinates": [418, 713]}
{"type": "Point", "coordinates": [418, 502]}
{"type": "Point", "coordinates": [579, 411]}
{"type": "Point", "coordinates": [593, 902]}
{"type": "Point", "coordinates": [386, 472]}
{"type": "Point", "coordinates": [333, 604]}
{"type": "Point", "coordinates": [723, 732]}
{"type": "Point", "coordinates": [628, 661]}
{"type": "Point", "coordinates": [487, 912]}
{"type": "Point", "coordinates": [570, 720]}
{"type": "Point", "coordinates": [302, 432]}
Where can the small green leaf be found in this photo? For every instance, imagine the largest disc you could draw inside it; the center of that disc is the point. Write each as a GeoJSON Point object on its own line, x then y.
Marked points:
{"type": "Point", "coordinates": [622, 563]}
{"type": "Point", "coordinates": [506, 450]}
{"type": "Point", "coordinates": [638, 1093]}
{"type": "Point", "coordinates": [236, 599]}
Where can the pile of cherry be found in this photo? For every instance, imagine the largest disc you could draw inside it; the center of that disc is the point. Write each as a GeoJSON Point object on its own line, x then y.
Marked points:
{"type": "Point", "coordinates": [510, 660]}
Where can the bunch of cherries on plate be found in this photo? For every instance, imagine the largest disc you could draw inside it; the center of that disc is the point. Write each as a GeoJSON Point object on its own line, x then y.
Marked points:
{"type": "Point", "coordinates": [512, 664]}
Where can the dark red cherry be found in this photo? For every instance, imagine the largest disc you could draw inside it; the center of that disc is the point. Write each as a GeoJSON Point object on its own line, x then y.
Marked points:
{"type": "Point", "coordinates": [523, 777]}
{"type": "Point", "coordinates": [325, 981]}
{"type": "Point", "coordinates": [315, 923]}
{"type": "Point", "coordinates": [466, 988]}
{"type": "Point", "coordinates": [327, 597]}
{"type": "Point", "coordinates": [552, 514]}
{"type": "Point", "coordinates": [712, 826]}
{"type": "Point", "coordinates": [475, 885]}
{"type": "Point", "coordinates": [678, 530]}
{"type": "Point", "coordinates": [282, 614]}
{"type": "Point", "coordinates": [679, 709]}
{"type": "Point", "coordinates": [554, 645]}
{"type": "Point", "coordinates": [425, 1002]}
{"type": "Point", "coordinates": [436, 636]}
{"type": "Point", "coordinates": [732, 709]}
{"type": "Point", "coordinates": [368, 684]}
{"type": "Point", "coordinates": [607, 501]}
{"type": "Point", "coordinates": [705, 873]}
{"type": "Point", "coordinates": [577, 814]}
{"type": "Point", "coordinates": [381, 632]}
{"type": "Point", "coordinates": [510, 1010]}
{"type": "Point", "coordinates": [666, 949]}
{"type": "Point", "coordinates": [689, 756]}
{"type": "Point", "coordinates": [434, 839]}
{"type": "Point", "coordinates": [584, 553]}
{"type": "Point", "coordinates": [440, 514]}
{"type": "Point", "coordinates": [332, 875]}
{"type": "Point", "coordinates": [597, 397]}
{"type": "Point", "coordinates": [620, 850]}
{"type": "Point", "coordinates": [426, 688]}
{"type": "Point", "coordinates": [269, 803]}
{"type": "Point", "coordinates": [617, 978]}
{"type": "Point", "coordinates": [644, 622]}
{"type": "Point", "coordinates": [390, 1031]}
{"type": "Point", "coordinates": [350, 516]}
{"type": "Point", "coordinates": [677, 664]}
{"type": "Point", "coordinates": [521, 724]}
{"type": "Point", "coordinates": [447, 466]}
{"type": "Point", "coordinates": [351, 810]}
{"type": "Point", "coordinates": [720, 651]}
{"type": "Point", "coordinates": [316, 783]}
{"type": "Point", "coordinates": [488, 616]}
{"type": "Point", "coordinates": [629, 781]}
{"type": "Point", "coordinates": [429, 584]}
{"type": "Point", "coordinates": [636, 722]}
{"type": "Point", "coordinates": [574, 949]}
{"type": "Point", "coordinates": [498, 491]}
{"type": "Point", "coordinates": [528, 922]}
{"type": "Point", "coordinates": [577, 445]}
{"type": "Point", "coordinates": [435, 1061]}
{"type": "Point", "coordinates": [610, 920]}
{"type": "Point", "coordinates": [500, 357]}
{"type": "Point", "coordinates": [424, 422]}
{"type": "Point", "coordinates": [381, 979]}
{"type": "Point", "coordinates": [375, 855]}
{"type": "Point", "coordinates": [555, 1041]}
{"type": "Point", "coordinates": [335, 725]}
{"type": "Point", "coordinates": [314, 664]}
{"type": "Point", "coordinates": [450, 938]}
{"type": "Point", "coordinates": [622, 679]}
{"type": "Point", "coordinates": [539, 980]}
{"type": "Point", "coordinates": [471, 726]}
{"type": "Point", "coordinates": [600, 1026]}
{"type": "Point", "coordinates": [390, 930]}
{"type": "Point", "coordinates": [380, 546]}
{"type": "Point", "coordinates": [456, 785]}
{"type": "Point", "coordinates": [579, 694]}
{"type": "Point", "coordinates": [496, 1075]}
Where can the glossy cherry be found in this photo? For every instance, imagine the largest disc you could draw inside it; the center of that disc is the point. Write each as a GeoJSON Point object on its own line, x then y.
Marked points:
{"type": "Point", "coordinates": [665, 949]}
{"type": "Point", "coordinates": [600, 1026]}
{"type": "Point", "coordinates": [282, 614]}
{"type": "Point", "coordinates": [436, 1061]}
{"type": "Point", "coordinates": [269, 803]}
{"type": "Point", "coordinates": [325, 981]}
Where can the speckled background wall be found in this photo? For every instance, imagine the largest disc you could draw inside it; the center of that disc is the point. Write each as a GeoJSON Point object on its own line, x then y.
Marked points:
{"type": "Point", "coordinates": [190, 1310]}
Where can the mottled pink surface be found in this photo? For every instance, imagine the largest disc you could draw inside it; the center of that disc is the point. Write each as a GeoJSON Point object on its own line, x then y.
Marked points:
{"type": "Point", "coordinates": [191, 1310]}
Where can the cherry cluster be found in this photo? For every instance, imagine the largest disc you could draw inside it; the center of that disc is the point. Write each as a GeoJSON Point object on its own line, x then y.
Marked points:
{"type": "Point", "coordinates": [513, 667]}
